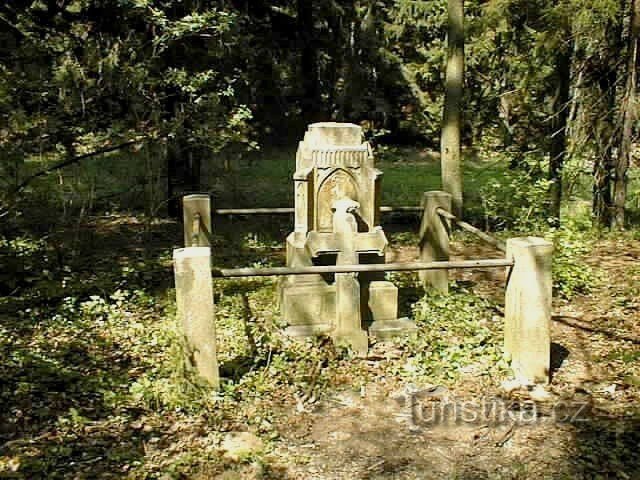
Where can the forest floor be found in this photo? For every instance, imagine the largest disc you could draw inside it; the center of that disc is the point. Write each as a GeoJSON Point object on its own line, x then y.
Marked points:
{"type": "Point", "coordinates": [92, 383]}
{"type": "Point", "coordinates": [90, 390]}
{"type": "Point", "coordinates": [585, 424]}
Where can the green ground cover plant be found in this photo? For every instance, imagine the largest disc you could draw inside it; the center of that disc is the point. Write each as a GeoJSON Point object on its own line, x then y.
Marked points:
{"type": "Point", "coordinates": [94, 379]}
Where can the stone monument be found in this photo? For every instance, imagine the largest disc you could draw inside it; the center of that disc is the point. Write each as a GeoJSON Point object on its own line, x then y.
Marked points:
{"type": "Point", "coordinates": [337, 222]}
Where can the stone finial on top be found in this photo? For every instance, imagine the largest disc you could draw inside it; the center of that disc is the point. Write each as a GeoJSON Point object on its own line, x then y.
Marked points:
{"type": "Point", "coordinates": [332, 144]}
{"type": "Point", "coordinates": [325, 134]}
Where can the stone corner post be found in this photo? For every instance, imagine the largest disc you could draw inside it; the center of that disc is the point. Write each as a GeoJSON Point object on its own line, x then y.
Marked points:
{"type": "Point", "coordinates": [196, 212]}
{"type": "Point", "coordinates": [434, 239]}
{"type": "Point", "coordinates": [527, 330]}
{"type": "Point", "coordinates": [196, 311]}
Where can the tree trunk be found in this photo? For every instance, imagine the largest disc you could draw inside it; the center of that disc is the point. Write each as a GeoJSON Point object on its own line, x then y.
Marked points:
{"type": "Point", "coordinates": [175, 179]}
{"type": "Point", "coordinates": [183, 174]}
{"type": "Point", "coordinates": [559, 129]}
{"type": "Point", "coordinates": [602, 171]}
{"type": "Point", "coordinates": [452, 115]}
{"type": "Point", "coordinates": [629, 116]}
{"type": "Point", "coordinates": [605, 131]}
{"type": "Point", "coordinates": [308, 62]}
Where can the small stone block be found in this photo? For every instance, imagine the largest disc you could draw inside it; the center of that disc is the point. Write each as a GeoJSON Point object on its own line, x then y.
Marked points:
{"type": "Point", "coordinates": [309, 305]}
{"type": "Point", "coordinates": [357, 341]}
{"type": "Point", "coordinates": [335, 134]}
{"type": "Point", "coordinates": [386, 329]}
{"type": "Point", "coordinates": [383, 301]}
{"type": "Point", "coordinates": [301, 331]}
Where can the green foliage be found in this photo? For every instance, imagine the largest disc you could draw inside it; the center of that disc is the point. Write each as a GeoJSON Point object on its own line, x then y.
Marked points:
{"type": "Point", "coordinates": [204, 79]}
{"type": "Point", "coordinates": [458, 334]}
{"type": "Point", "coordinates": [23, 261]}
{"type": "Point", "coordinates": [518, 200]}
{"type": "Point", "coordinates": [414, 35]}
{"type": "Point", "coordinates": [258, 362]}
{"type": "Point", "coordinates": [103, 73]}
{"type": "Point", "coordinates": [571, 275]}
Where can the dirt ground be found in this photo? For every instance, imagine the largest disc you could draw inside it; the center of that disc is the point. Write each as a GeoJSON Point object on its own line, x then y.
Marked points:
{"type": "Point", "coordinates": [584, 425]}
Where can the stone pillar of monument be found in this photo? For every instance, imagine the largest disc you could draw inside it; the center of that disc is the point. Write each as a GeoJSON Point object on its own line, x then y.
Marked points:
{"type": "Point", "coordinates": [337, 212]}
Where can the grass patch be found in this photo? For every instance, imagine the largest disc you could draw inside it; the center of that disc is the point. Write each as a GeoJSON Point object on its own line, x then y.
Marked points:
{"type": "Point", "coordinates": [408, 173]}
{"type": "Point", "coordinates": [459, 334]}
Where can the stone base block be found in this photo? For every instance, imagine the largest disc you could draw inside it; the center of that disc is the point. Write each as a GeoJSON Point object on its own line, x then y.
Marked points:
{"type": "Point", "coordinates": [357, 341]}
{"type": "Point", "coordinates": [308, 309]}
{"type": "Point", "coordinates": [301, 331]}
{"type": "Point", "coordinates": [297, 256]}
{"type": "Point", "coordinates": [382, 301]}
{"type": "Point", "coordinates": [385, 329]}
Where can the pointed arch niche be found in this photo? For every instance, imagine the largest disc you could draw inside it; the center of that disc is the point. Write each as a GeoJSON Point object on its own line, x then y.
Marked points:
{"type": "Point", "coordinates": [339, 184]}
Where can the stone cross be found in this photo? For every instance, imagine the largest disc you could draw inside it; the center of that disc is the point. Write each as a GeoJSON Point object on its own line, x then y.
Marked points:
{"type": "Point", "coordinates": [347, 243]}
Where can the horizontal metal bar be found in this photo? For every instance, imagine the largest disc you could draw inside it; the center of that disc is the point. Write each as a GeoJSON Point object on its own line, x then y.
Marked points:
{"type": "Point", "coordinates": [500, 245]}
{"type": "Point", "coordinates": [288, 210]}
{"type": "Point", "coordinates": [388, 209]}
{"type": "Point", "coordinates": [253, 211]}
{"type": "Point", "coordinates": [376, 267]}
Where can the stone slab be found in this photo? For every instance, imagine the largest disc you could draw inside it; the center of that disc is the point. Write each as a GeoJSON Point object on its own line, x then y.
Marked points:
{"type": "Point", "coordinates": [301, 331]}
{"type": "Point", "coordinates": [386, 329]}
{"type": "Point", "coordinates": [309, 304]}
{"type": "Point", "coordinates": [383, 301]}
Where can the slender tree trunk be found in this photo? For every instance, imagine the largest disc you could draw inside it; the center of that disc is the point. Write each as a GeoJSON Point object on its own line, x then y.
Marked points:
{"type": "Point", "coordinates": [605, 131]}
{"type": "Point", "coordinates": [308, 62]}
{"type": "Point", "coordinates": [559, 129]}
{"type": "Point", "coordinates": [629, 116]}
{"type": "Point", "coordinates": [603, 169]}
{"type": "Point", "coordinates": [183, 173]}
{"type": "Point", "coordinates": [351, 74]}
{"type": "Point", "coordinates": [175, 178]}
{"type": "Point", "coordinates": [504, 111]}
{"type": "Point", "coordinates": [452, 115]}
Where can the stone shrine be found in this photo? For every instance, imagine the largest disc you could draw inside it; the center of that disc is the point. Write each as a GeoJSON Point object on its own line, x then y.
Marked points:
{"type": "Point", "coordinates": [337, 222]}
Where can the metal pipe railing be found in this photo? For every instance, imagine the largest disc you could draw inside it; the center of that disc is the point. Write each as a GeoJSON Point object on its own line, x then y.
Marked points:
{"type": "Point", "coordinates": [500, 245]}
{"type": "Point", "coordinates": [253, 211]}
{"type": "Point", "coordinates": [376, 267]}
{"type": "Point", "coordinates": [289, 210]}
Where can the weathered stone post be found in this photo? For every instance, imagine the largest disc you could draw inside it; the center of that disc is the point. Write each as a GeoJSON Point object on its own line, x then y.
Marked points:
{"type": "Point", "coordinates": [348, 326]}
{"type": "Point", "coordinates": [196, 312]}
{"type": "Point", "coordinates": [196, 213]}
{"type": "Point", "coordinates": [434, 239]}
{"type": "Point", "coordinates": [527, 330]}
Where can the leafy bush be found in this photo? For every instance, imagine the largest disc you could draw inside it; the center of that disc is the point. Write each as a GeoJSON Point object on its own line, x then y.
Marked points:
{"type": "Point", "coordinates": [519, 202]}
{"type": "Point", "coordinates": [516, 201]}
{"type": "Point", "coordinates": [571, 276]}
{"type": "Point", "coordinates": [459, 333]}
{"type": "Point", "coordinates": [23, 261]}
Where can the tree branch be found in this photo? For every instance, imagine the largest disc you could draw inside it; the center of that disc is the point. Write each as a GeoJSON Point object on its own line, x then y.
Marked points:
{"type": "Point", "coordinates": [71, 161]}
{"type": "Point", "coordinates": [14, 27]}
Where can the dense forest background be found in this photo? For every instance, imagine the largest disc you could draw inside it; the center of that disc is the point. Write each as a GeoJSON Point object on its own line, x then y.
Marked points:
{"type": "Point", "coordinates": [110, 110]}
{"type": "Point", "coordinates": [171, 87]}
